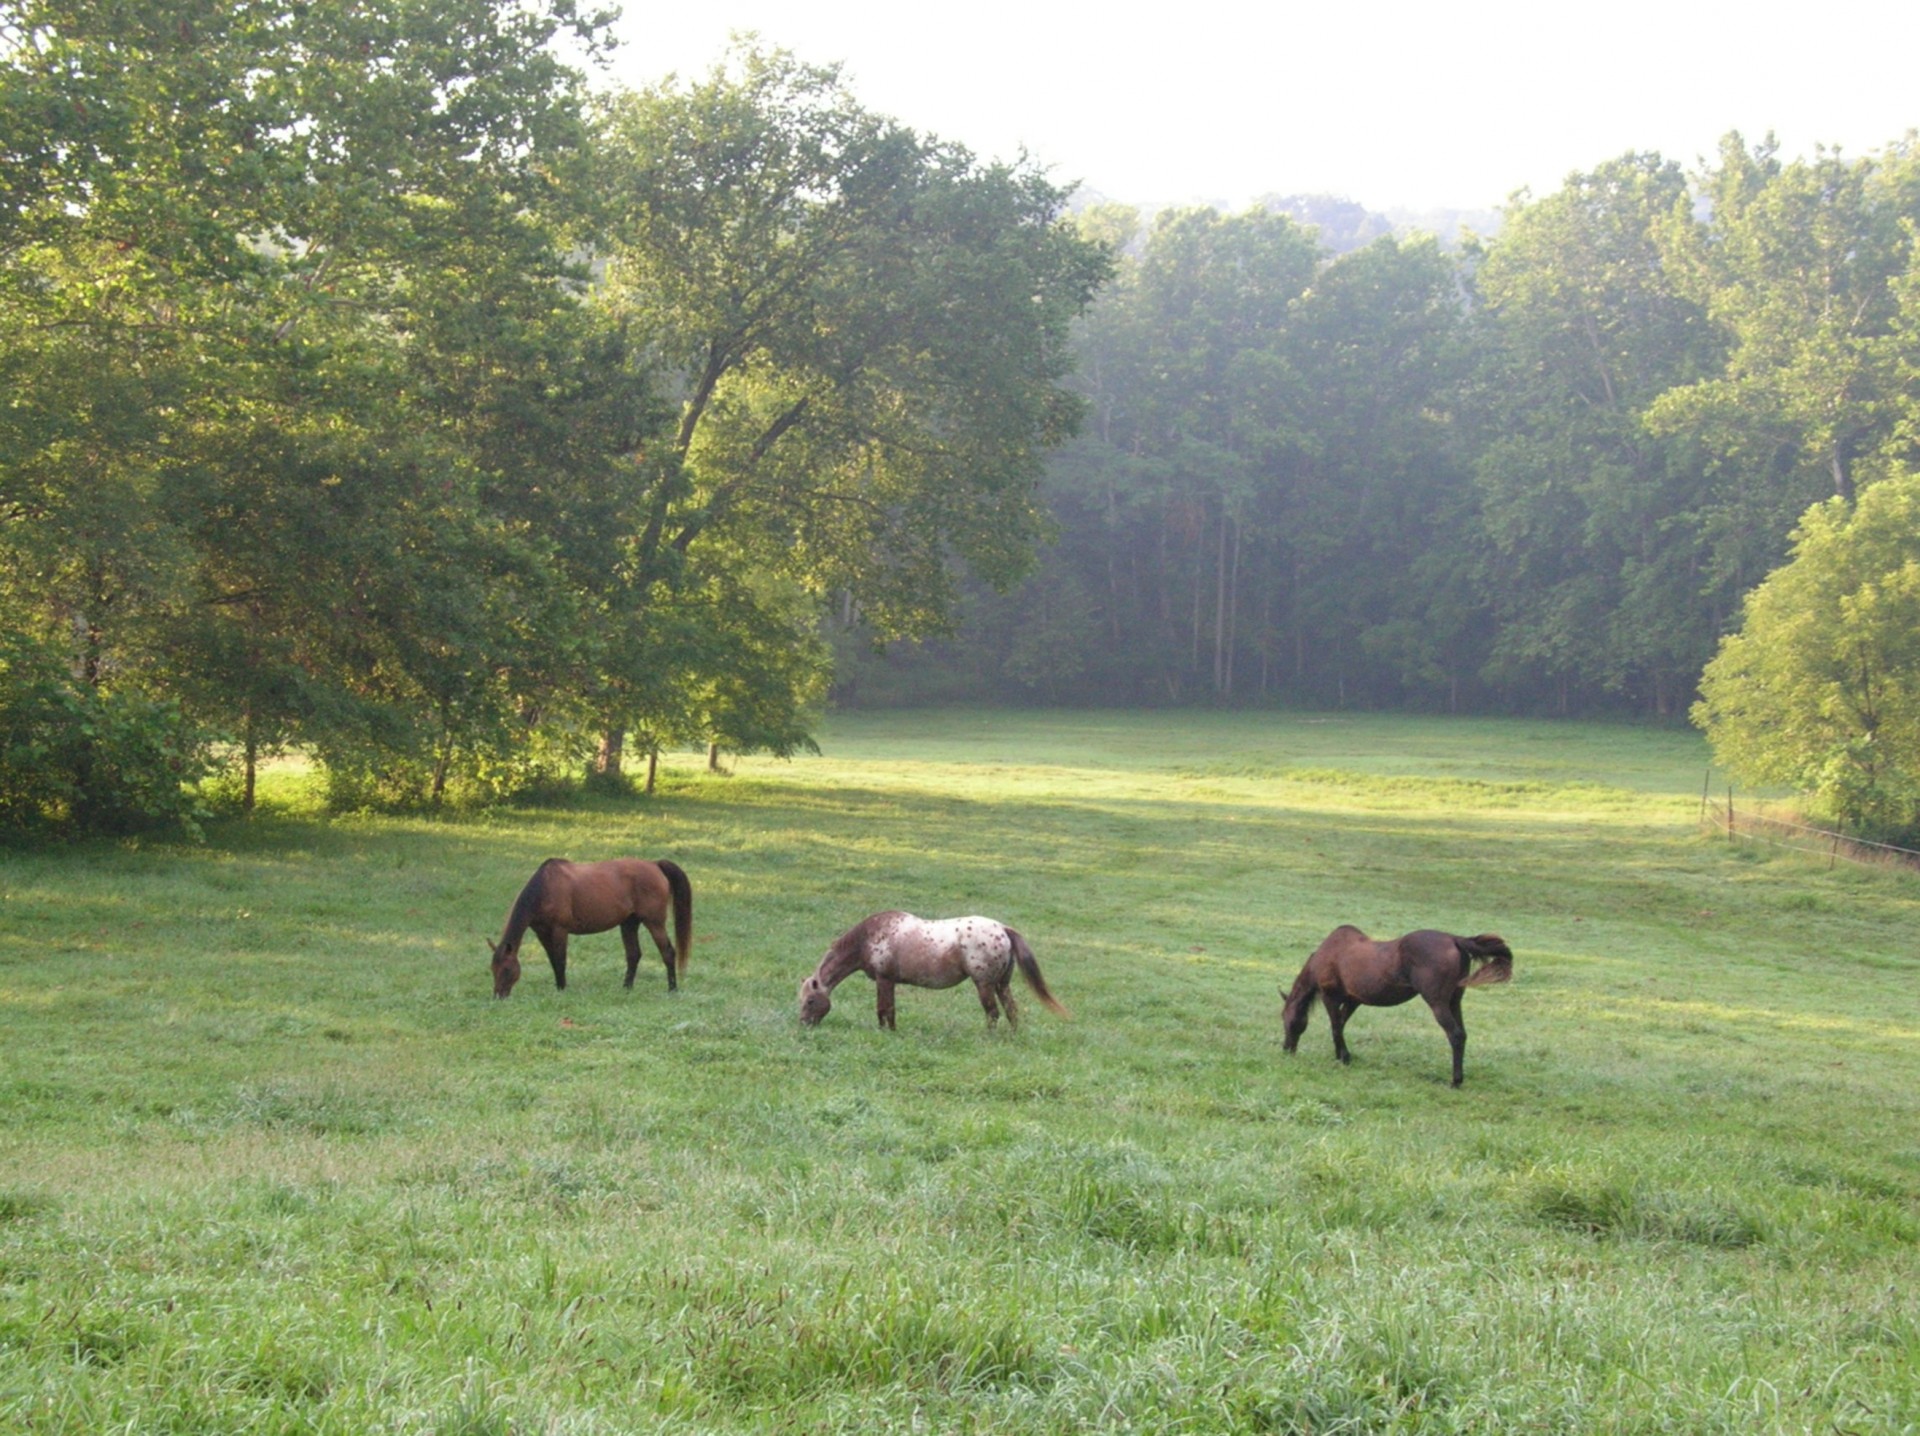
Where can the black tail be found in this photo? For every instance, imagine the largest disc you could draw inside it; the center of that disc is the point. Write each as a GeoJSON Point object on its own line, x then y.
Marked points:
{"type": "Point", "coordinates": [1029, 969]}
{"type": "Point", "coordinates": [1497, 955]}
{"type": "Point", "coordinates": [682, 911]}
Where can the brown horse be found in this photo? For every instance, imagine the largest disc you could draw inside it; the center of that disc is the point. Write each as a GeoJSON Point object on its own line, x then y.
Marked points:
{"type": "Point", "coordinates": [1349, 968]}
{"type": "Point", "coordinates": [894, 947]}
{"type": "Point", "coordinates": [627, 893]}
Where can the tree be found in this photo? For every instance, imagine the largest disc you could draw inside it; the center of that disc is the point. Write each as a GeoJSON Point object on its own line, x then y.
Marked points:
{"type": "Point", "coordinates": [864, 331]}
{"type": "Point", "coordinates": [269, 275]}
{"type": "Point", "coordinates": [1820, 687]}
{"type": "Point", "coordinates": [1602, 526]}
{"type": "Point", "coordinates": [1797, 267]}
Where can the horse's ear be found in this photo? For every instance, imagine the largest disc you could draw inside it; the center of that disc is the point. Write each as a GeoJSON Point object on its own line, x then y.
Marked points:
{"type": "Point", "coordinates": [491, 946]}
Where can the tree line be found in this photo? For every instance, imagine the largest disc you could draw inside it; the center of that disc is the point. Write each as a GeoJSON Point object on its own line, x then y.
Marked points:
{"type": "Point", "coordinates": [1534, 472]}
{"type": "Point", "coordinates": [375, 389]}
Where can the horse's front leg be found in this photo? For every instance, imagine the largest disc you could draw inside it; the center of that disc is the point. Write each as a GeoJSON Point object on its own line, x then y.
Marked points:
{"type": "Point", "coordinates": [1447, 1014]}
{"type": "Point", "coordinates": [1339, 1009]}
{"type": "Point", "coordinates": [883, 999]}
{"type": "Point", "coordinates": [554, 940]}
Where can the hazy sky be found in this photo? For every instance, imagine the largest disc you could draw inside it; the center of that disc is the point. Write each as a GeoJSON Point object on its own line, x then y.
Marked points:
{"type": "Point", "coordinates": [1393, 104]}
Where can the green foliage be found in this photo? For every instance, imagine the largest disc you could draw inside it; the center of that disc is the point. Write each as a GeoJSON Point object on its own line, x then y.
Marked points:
{"type": "Point", "coordinates": [1598, 524]}
{"type": "Point", "coordinates": [1263, 422]}
{"type": "Point", "coordinates": [1820, 688]}
{"type": "Point", "coordinates": [86, 759]}
{"type": "Point", "coordinates": [320, 428]}
{"type": "Point", "coordinates": [868, 329]}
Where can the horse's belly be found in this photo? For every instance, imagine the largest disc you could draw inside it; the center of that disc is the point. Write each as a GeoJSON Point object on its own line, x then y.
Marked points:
{"type": "Point", "coordinates": [590, 921]}
{"type": "Point", "coordinates": [1376, 994]}
{"type": "Point", "coordinates": [924, 975]}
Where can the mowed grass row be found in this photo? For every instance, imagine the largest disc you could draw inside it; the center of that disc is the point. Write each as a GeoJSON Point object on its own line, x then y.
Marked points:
{"type": "Point", "coordinates": [275, 1160]}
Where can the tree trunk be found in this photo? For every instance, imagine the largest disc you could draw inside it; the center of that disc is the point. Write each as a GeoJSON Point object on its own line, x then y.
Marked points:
{"type": "Point", "coordinates": [250, 752]}
{"type": "Point", "coordinates": [611, 754]}
{"type": "Point", "coordinates": [713, 756]}
{"type": "Point", "coordinates": [653, 765]}
{"type": "Point", "coordinates": [440, 766]}
{"type": "Point", "coordinates": [1220, 607]}
{"type": "Point", "coordinates": [1199, 588]}
{"type": "Point", "coordinates": [1233, 607]}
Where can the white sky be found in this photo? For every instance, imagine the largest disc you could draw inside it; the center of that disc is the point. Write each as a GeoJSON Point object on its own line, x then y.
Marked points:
{"type": "Point", "coordinates": [1394, 103]}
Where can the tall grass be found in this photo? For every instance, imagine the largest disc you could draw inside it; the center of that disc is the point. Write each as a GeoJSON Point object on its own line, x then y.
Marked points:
{"type": "Point", "coordinates": [276, 1161]}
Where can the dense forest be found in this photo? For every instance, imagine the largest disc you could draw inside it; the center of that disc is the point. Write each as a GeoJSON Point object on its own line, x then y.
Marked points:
{"type": "Point", "coordinates": [379, 390]}
{"type": "Point", "coordinates": [1534, 471]}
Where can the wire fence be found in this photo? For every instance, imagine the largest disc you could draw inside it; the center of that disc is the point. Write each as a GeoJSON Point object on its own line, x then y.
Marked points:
{"type": "Point", "coordinates": [1756, 820]}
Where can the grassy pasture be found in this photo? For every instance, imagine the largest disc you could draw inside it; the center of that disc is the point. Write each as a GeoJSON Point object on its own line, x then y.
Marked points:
{"type": "Point", "coordinates": [274, 1160]}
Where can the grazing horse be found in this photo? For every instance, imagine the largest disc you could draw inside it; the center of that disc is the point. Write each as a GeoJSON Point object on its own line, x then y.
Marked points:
{"type": "Point", "coordinates": [627, 893]}
{"type": "Point", "coordinates": [1349, 968]}
{"type": "Point", "coordinates": [893, 947]}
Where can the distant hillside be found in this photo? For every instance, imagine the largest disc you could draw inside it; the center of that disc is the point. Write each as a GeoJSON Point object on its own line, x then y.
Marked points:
{"type": "Point", "coordinates": [1344, 224]}
{"type": "Point", "coordinates": [1347, 225]}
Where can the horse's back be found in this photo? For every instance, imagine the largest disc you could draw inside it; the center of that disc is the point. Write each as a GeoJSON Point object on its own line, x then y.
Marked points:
{"type": "Point", "coordinates": [1362, 967]}
{"type": "Point", "coordinates": [592, 897]}
{"type": "Point", "coordinates": [940, 952]}
{"type": "Point", "coordinates": [1344, 941]}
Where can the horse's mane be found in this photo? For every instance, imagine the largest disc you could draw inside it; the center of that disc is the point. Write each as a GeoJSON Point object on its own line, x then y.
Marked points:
{"type": "Point", "coordinates": [528, 903]}
{"type": "Point", "coordinates": [846, 948]}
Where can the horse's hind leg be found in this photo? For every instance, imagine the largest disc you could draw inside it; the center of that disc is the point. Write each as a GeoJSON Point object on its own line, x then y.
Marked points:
{"type": "Point", "coordinates": [1447, 1014]}
{"type": "Point", "coordinates": [1005, 993]}
{"type": "Point", "coordinates": [989, 1002]}
{"type": "Point", "coordinates": [630, 940]}
{"type": "Point", "coordinates": [657, 930]}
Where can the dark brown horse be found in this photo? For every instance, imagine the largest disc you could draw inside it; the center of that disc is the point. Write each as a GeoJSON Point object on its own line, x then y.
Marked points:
{"type": "Point", "coordinates": [895, 947]}
{"type": "Point", "coordinates": [627, 893]}
{"type": "Point", "coordinates": [1349, 968]}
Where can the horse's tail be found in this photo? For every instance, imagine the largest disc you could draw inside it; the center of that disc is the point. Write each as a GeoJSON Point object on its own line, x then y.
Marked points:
{"type": "Point", "coordinates": [682, 890]}
{"type": "Point", "coordinates": [1029, 969]}
{"type": "Point", "coordinates": [1497, 955]}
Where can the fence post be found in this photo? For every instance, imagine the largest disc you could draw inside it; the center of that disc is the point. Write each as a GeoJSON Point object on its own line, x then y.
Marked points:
{"type": "Point", "coordinates": [1729, 812]}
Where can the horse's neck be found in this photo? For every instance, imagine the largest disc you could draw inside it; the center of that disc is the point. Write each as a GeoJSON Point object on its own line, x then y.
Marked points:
{"type": "Point", "coordinates": [520, 916]}
{"type": "Point", "coordinates": [841, 962]}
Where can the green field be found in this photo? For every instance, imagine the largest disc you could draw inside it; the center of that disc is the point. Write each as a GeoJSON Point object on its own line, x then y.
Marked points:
{"type": "Point", "coordinates": [274, 1160]}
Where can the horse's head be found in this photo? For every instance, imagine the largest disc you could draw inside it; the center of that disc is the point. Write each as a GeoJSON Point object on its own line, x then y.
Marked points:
{"type": "Point", "coordinates": [506, 965]}
{"type": "Point", "coordinates": [814, 1001]}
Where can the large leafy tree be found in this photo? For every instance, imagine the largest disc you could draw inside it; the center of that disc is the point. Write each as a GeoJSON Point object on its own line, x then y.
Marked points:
{"type": "Point", "coordinates": [865, 331]}
{"type": "Point", "coordinates": [1797, 267]}
{"type": "Point", "coordinates": [274, 279]}
{"type": "Point", "coordinates": [1820, 687]}
{"type": "Point", "coordinates": [1601, 526]}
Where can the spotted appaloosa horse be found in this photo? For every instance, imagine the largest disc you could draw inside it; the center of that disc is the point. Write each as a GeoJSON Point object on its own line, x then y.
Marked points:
{"type": "Point", "coordinates": [895, 947]}
{"type": "Point", "coordinates": [627, 893]}
{"type": "Point", "coordinates": [1349, 969]}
